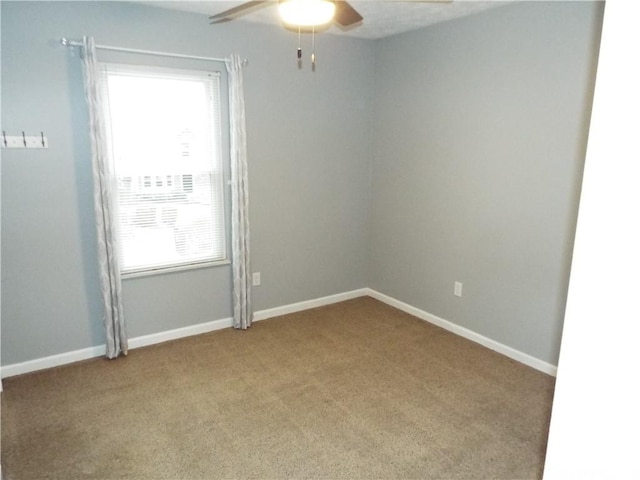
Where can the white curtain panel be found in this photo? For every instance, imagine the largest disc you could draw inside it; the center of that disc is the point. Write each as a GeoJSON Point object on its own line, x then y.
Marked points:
{"type": "Point", "coordinates": [103, 191]}
{"type": "Point", "coordinates": [241, 265]}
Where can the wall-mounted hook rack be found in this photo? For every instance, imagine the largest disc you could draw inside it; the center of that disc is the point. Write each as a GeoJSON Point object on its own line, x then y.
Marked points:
{"type": "Point", "coordinates": [24, 141]}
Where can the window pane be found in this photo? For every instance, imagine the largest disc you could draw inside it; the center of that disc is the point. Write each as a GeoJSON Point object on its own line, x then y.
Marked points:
{"type": "Point", "coordinates": [165, 134]}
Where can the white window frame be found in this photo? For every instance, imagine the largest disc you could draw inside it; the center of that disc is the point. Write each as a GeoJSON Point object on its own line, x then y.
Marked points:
{"type": "Point", "coordinates": [223, 156]}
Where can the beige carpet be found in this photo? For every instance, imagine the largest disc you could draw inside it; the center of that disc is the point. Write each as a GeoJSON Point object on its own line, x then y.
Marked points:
{"type": "Point", "coordinates": [352, 390]}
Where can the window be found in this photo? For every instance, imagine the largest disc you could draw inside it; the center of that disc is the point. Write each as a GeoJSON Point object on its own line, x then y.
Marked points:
{"type": "Point", "coordinates": [164, 133]}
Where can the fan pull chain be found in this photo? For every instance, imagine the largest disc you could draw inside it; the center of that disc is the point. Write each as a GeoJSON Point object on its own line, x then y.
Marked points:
{"type": "Point", "coordinates": [299, 45]}
{"type": "Point", "coordinates": [313, 49]}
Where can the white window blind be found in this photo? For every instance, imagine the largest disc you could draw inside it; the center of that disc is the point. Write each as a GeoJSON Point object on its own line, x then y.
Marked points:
{"type": "Point", "coordinates": [164, 133]}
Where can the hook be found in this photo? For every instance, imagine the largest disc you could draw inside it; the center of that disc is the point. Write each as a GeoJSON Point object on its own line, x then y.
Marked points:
{"type": "Point", "coordinates": [24, 139]}
{"type": "Point", "coordinates": [42, 138]}
{"type": "Point", "coordinates": [4, 138]}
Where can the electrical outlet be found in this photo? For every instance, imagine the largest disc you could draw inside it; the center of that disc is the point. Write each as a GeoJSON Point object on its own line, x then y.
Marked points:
{"type": "Point", "coordinates": [256, 279]}
{"type": "Point", "coordinates": [457, 289]}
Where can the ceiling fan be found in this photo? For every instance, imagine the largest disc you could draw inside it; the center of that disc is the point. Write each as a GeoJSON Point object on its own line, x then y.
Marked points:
{"type": "Point", "coordinates": [303, 13]}
{"type": "Point", "coordinates": [306, 15]}
{"type": "Point", "coordinates": [310, 12]}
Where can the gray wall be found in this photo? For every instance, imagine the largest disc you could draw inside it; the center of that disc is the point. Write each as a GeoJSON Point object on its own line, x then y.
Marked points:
{"type": "Point", "coordinates": [480, 136]}
{"type": "Point", "coordinates": [309, 143]}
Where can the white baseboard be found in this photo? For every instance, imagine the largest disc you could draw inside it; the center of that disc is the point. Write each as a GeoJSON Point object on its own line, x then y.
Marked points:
{"type": "Point", "coordinates": [98, 351]}
{"type": "Point", "coordinates": [512, 353]}
{"type": "Point", "coordinates": [177, 333]}
{"type": "Point", "coordinates": [52, 361]}
{"type": "Point", "coordinates": [306, 305]}
{"type": "Point", "coordinates": [155, 338]}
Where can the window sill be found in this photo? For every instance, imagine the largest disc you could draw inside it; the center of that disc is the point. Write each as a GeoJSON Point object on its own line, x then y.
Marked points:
{"type": "Point", "coordinates": [172, 269]}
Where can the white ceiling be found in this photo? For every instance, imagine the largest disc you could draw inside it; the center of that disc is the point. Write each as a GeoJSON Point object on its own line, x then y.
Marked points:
{"type": "Point", "coordinates": [382, 18]}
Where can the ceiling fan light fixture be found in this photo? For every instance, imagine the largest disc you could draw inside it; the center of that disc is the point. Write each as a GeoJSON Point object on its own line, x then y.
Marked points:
{"type": "Point", "coordinates": [307, 13]}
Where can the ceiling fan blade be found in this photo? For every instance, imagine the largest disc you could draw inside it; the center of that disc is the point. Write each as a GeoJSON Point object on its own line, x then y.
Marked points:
{"type": "Point", "coordinates": [234, 12]}
{"type": "Point", "coordinates": [345, 14]}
